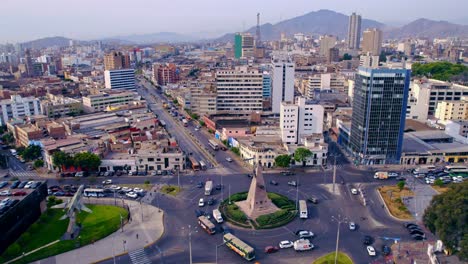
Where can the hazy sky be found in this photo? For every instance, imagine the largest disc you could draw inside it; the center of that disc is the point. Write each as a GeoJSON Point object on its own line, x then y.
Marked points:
{"type": "Point", "coordinates": [22, 20]}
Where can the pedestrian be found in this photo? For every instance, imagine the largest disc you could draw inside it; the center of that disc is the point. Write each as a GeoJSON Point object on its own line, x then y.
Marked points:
{"type": "Point", "coordinates": [137, 236]}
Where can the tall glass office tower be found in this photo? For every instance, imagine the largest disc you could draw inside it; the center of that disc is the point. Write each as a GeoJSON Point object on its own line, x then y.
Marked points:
{"type": "Point", "coordinates": [378, 120]}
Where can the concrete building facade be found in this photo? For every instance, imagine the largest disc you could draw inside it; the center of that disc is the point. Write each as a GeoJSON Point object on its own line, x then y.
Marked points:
{"type": "Point", "coordinates": [354, 31]}
{"type": "Point", "coordinates": [120, 79]}
{"type": "Point", "coordinates": [372, 41]}
{"type": "Point", "coordinates": [18, 107]}
{"type": "Point", "coordinates": [282, 84]}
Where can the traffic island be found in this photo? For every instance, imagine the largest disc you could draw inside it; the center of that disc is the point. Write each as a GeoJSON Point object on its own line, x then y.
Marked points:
{"type": "Point", "coordinates": [103, 221]}
{"type": "Point", "coordinates": [170, 189]}
{"type": "Point", "coordinates": [330, 259]}
{"type": "Point", "coordinates": [393, 198]}
{"type": "Point", "coordinates": [232, 213]}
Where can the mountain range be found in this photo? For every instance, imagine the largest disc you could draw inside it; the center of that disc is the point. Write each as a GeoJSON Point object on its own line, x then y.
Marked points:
{"type": "Point", "coordinates": [318, 22]}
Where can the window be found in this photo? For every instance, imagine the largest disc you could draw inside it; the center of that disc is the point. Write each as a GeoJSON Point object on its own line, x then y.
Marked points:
{"type": "Point", "coordinates": [150, 159]}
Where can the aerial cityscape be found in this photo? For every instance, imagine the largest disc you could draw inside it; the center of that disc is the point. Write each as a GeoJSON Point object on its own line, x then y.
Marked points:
{"type": "Point", "coordinates": [245, 132]}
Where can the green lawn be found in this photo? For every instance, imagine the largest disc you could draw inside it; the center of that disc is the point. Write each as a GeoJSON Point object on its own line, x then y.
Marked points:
{"type": "Point", "coordinates": [330, 259]}
{"type": "Point", "coordinates": [103, 221]}
{"type": "Point", "coordinates": [170, 189]}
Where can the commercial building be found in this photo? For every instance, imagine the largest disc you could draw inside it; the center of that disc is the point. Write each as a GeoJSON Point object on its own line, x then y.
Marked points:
{"type": "Point", "coordinates": [282, 85]}
{"type": "Point", "coordinates": [333, 55]}
{"type": "Point", "coordinates": [316, 144]}
{"type": "Point", "coordinates": [59, 106]}
{"type": "Point", "coordinates": [266, 85]}
{"type": "Point", "coordinates": [164, 74]}
{"type": "Point", "coordinates": [354, 31]}
{"type": "Point", "coordinates": [116, 61]}
{"type": "Point", "coordinates": [300, 119]}
{"type": "Point", "coordinates": [369, 61]}
{"type": "Point", "coordinates": [18, 107]}
{"type": "Point", "coordinates": [372, 41]}
{"type": "Point", "coordinates": [120, 79]}
{"type": "Point", "coordinates": [240, 90]}
{"type": "Point", "coordinates": [26, 133]}
{"type": "Point", "coordinates": [158, 156]}
{"type": "Point", "coordinates": [426, 95]}
{"type": "Point", "coordinates": [458, 129]}
{"type": "Point", "coordinates": [104, 101]}
{"type": "Point", "coordinates": [261, 150]}
{"type": "Point", "coordinates": [244, 45]}
{"type": "Point", "coordinates": [378, 118]}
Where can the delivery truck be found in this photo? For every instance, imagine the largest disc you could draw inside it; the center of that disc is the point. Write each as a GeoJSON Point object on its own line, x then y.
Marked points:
{"type": "Point", "coordinates": [208, 187]}
{"type": "Point", "coordinates": [217, 216]}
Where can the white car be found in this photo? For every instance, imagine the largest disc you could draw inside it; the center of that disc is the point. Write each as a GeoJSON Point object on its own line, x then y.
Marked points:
{"type": "Point", "coordinates": [29, 185]}
{"type": "Point", "coordinates": [201, 202]}
{"type": "Point", "coordinates": [305, 234]}
{"type": "Point", "coordinates": [132, 195]}
{"type": "Point", "coordinates": [5, 193]}
{"type": "Point", "coordinates": [196, 129]}
{"type": "Point", "coordinates": [393, 174]}
{"type": "Point", "coordinates": [371, 250]}
{"type": "Point", "coordinates": [352, 226]}
{"type": "Point", "coordinates": [354, 191]}
{"type": "Point", "coordinates": [106, 182]}
{"type": "Point", "coordinates": [126, 189]}
{"type": "Point", "coordinates": [138, 190]}
{"type": "Point", "coordinates": [286, 244]}
{"type": "Point", "coordinates": [229, 159]}
{"type": "Point", "coordinates": [114, 187]}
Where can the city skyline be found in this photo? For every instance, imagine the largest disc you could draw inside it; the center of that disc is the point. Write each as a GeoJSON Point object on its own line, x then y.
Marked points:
{"type": "Point", "coordinates": [143, 17]}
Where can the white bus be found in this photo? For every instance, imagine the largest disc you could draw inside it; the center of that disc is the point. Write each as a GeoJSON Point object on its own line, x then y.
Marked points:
{"type": "Point", "coordinates": [455, 169]}
{"type": "Point", "coordinates": [303, 209]}
{"type": "Point", "coordinates": [202, 165]}
{"type": "Point", "coordinates": [213, 144]}
{"type": "Point", "coordinates": [90, 192]}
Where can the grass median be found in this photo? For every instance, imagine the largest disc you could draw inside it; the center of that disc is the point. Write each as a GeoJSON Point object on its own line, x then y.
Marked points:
{"type": "Point", "coordinates": [330, 259]}
{"type": "Point", "coordinates": [170, 189]}
{"type": "Point", "coordinates": [103, 221]}
{"type": "Point", "coordinates": [393, 198]}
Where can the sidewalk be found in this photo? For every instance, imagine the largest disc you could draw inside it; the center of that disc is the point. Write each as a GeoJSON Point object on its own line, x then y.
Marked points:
{"type": "Point", "coordinates": [149, 229]}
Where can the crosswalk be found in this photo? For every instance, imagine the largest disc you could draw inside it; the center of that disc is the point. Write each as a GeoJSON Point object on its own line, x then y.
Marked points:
{"type": "Point", "coordinates": [24, 174]}
{"type": "Point", "coordinates": [139, 257]}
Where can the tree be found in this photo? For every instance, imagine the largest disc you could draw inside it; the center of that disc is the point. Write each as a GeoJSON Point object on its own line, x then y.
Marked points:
{"type": "Point", "coordinates": [32, 152]}
{"type": "Point", "coordinates": [301, 155]}
{"type": "Point", "coordinates": [236, 151]}
{"type": "Point", "coordinates": [446, 217]}
{"type": "Point", "coordinates": [283, 161]}
{"type": "Point", "coordinates": [38, 163]}
{"type": "Point", "coordinates": [87, 161]}
{"type": "Point", "coordinates": [346, 56]}
{"type": "Point", "coordinates": [8, 138]}
{"type": "Point", "coordinates": [61, 159]}
{"type": "Point", "coordinates": [202, 123]}
{"type": "Point", "coordinates": [401, 185]}
{"type": "Point", "coordinates": [439, 182]}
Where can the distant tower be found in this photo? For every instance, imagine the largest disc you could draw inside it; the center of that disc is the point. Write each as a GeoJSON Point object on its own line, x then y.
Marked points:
{"type": "Point", "coordinates": [258, 31]}
{"type": "Point", "coordinates": [354, 31]}
{"type": "Point", "coordinates": [29, 64]}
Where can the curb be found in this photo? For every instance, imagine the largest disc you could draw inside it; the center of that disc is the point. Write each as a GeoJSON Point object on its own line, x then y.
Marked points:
{"type": "Point", "coordinates": [387, 210]}
{"type": "Point", "coordinates": [162, 234]}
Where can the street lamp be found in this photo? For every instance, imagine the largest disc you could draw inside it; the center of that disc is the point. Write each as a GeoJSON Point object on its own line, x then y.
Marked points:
{"type": "Point", "coordinates": [339, 220]}
{"type": "Point", "coordinates": [217, 246]}
{"type": "Point", "coordinates": [334, 169]}
{"type": "Point", "coordinates": [190, 243]}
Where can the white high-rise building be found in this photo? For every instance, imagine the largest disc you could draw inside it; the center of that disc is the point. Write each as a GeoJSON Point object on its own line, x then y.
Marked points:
{"type": "Point", "coordinates": [18, 107]}
{"type": "Point", "coordinates": [369, 61]}
{"type": "Point", "coordinates": [239, 90]}
{"type": "Point", "coordinates": [282, 83]}
{"type": "Point", "coordinates": [300, 119]}
{"type": "Point", "coordinates": [123, 79]}
{"type": "Point", "coordinates": [354, 31]}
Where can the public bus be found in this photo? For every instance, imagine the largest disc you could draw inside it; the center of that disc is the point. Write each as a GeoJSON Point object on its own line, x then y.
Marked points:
{"type": "Point", "coordinates": [162, 123]}
{"type": "Point", "coordinates": [239, 246]}
{"type": "Point", "coordinates": [206, 224]}
{"type": "Point", "coordinates": [91, 192]}
{"type": "Point", "coordinates": [213, 144]}
{"type": "Point", "coordinates": [303, 209]}
{"type": "Point", "coordinates": [202, 165]}
{"type": "Point", "coordinates": [455, 169]}
{"type": "Point", "coordinates": [195, 164]}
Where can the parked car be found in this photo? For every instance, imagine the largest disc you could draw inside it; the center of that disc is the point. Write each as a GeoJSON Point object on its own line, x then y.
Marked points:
{"type": "Point", "coordinates": [271, 249]}
{"type": "Point", "coordinates": [126, 189]}
{"type": "Point", "coordinates": [286, 244]}
{"type": "Point", "coordinates": [201, 202]}
{"type": "Point", "coordinates": [407, 225]}
{"type": "Point", "coordinates": [352, 226]}
{"type": "Point", "coordinates": [22, 184]}
{"type": "Point", "coordinates": [19, 193]}
{"type": "Point", "coordinates": [272, 182]}
{"type": "Point", "coordinates": [138, 190]}
{"type": "Point", "coordinates": [29, 184]}
{"type": "Point", "coordinates": [132, 195]}
{"type": "Point", "coordinates": [305, 234]}
{"type": "Point", "coordinates": [367, 240]}
{"type": "Point", "coordinates": [3, 184]}
{"type": "Point", "coordinates": [418, 237]}
{"type": "Point", "coordinates": [416, 232]}
{"type": "Point", "coordinates": [114, 187]}
{"type": "Point", "coordinates": [15, 184]}
{"type": "Point", "coordinates": [292, 183]}
{"type": "Point", "coordinates": [386, 250]}
{"type": "Point", "coordinates": [5, 193]}
{"type": "Point", "coordinates": [370, 250]}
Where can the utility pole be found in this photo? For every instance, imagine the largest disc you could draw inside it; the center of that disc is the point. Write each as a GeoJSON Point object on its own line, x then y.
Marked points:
{"type": "Point", "coordinates": [178, 178]}
{"type": "Point", "coordinates": [339, 220]}
{"type": "Point", "coordinates": [334, 169]}
{"type": "Point", "coordinates": [297, 191]}
{"type": "Point", "coordinates": [229, 193]}
{"type": "Point", "coordinates": [190, 243]}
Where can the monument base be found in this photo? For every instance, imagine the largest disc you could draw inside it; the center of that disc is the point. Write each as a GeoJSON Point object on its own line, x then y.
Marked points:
{"type": "Point", "coordinates": [264, 209]}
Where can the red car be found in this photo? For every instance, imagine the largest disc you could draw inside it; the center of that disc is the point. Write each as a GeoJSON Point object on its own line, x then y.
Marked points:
{"type": "Point", "coordinates": [19, 193]}
{"type": "Point", "coordinates": [271, 249]}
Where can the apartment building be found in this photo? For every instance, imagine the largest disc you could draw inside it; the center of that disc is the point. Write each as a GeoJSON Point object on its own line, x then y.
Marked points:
{"type": "Point", "coordinates": [155, 156]}
{"type": "Point", "coordinates": [116, 61]}
{"type": "Point", "coordinates": [427, 93]}
{"type": "Point", "coordinates": [27, 133]}
{"type": "Point", "coordinates": [240, 90]}
{"type": "Point", "coordinates": [104, 101]}
{"type": "Point", "coordinates": [243, 45]}
{"type": "Point", "coordinates": [18, 107]}
{"type": "Point", "coordinates": [325, 82]}
{"type": "Point", "coordinates": [282, 83]}
{"type": "Point", "coordinates": [203, 101]}
{"type": "Point", "coordinates": [452, 110]}
{"type": "Point", "coordinates": [300, 119]}
{"type": "Point", "coordinates": [164, 74]}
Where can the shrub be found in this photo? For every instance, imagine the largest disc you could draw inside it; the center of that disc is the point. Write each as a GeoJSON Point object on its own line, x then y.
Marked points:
{"type": "Point", "coordinates": [239, 197]}
{"type": "Point", "coordinates": [236, 151]}
{"type": "Point", "coordinates": [235, 214]}
{"type": "Point", "coordinates": [13, 250]}
{"type": "Point", "coordinates": [281, 201]}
